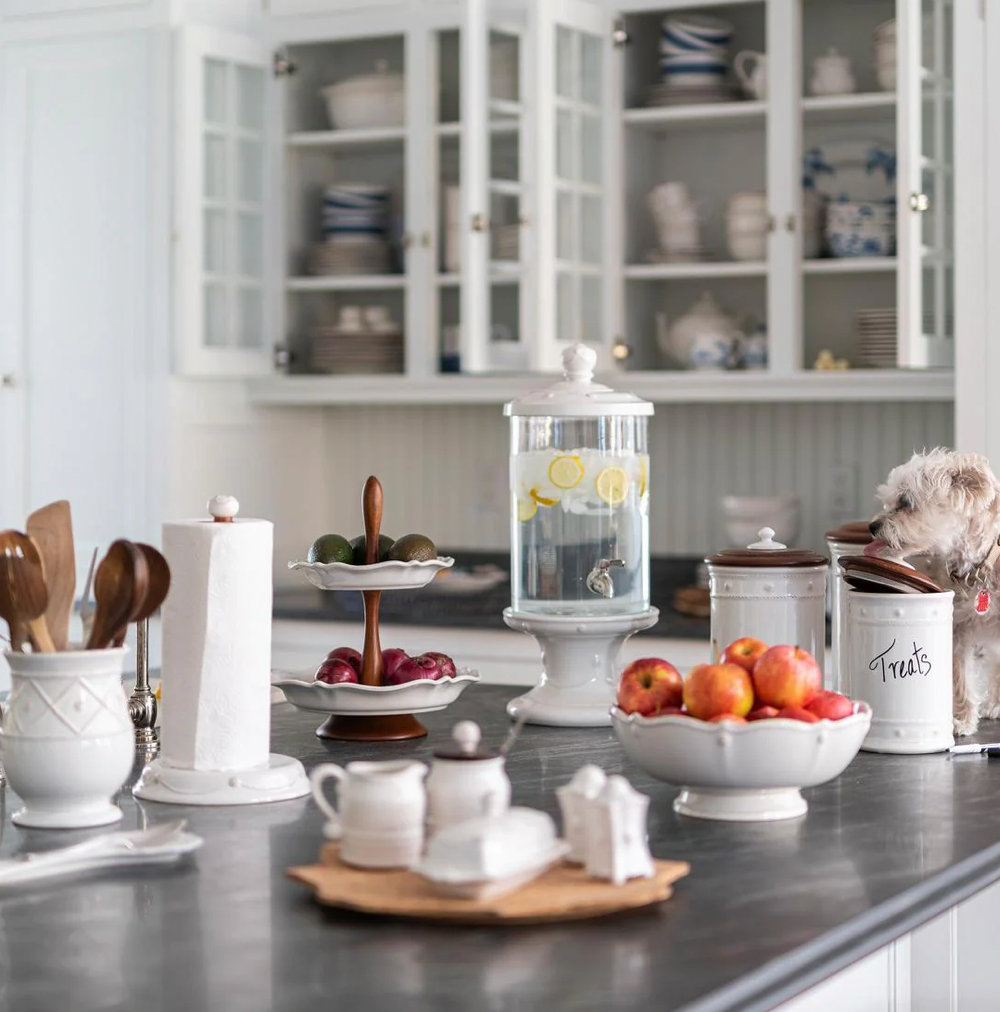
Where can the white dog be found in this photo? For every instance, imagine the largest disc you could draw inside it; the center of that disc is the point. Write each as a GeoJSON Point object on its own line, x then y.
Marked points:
{"type": "Point", "coordinates": [946, 506]}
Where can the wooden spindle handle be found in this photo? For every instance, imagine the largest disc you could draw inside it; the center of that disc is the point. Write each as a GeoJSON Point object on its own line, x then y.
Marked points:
{"type": "Point", "coordinates": [371, 509]}
{"type": "Point", "coordinates": [371, 655]}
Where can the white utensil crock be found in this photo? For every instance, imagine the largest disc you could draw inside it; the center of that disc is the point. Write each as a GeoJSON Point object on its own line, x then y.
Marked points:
{"type": "Point", "coordinates": [900, 650]}
{"type": "Point", "coordinates": [380, 823]}
{"type": "Point", "coordinates": [67, 738]}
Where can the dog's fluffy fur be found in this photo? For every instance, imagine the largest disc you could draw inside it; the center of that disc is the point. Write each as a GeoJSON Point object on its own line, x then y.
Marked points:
{"type": "Point", "coordinates": [945, 506]}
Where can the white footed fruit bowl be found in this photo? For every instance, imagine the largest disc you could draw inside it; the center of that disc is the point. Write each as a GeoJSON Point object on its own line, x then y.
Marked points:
{"type": "Point", "coordinates": [378, 576]}
{"type": "Point", "coordinates": [741, 772]}
{"type": "Point", "coordinates": [423, 695]}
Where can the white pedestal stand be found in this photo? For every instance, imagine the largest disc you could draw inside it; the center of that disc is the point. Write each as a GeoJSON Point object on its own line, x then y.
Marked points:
{"type": "Point", "coordinates": [282, 779]}
{"type": "Point", "coordinates": [579, 676]}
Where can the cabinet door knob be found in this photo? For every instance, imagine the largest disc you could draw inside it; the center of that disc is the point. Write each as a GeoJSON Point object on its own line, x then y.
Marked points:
{"type": "Point", "coordinates": [480, 223]}
{"type": "Point", "coordinates": [919, 202]}
{"type": "Point", "coordinates": [620, 350]}
{"type": "Point", "coordinates": [8, 380]}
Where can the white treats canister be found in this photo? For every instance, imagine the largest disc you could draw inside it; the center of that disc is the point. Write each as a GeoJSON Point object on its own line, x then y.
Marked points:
{"type": "Point", "coordinates": [769, 592]}
{"type": "Point", "coordinates": [848, 539]}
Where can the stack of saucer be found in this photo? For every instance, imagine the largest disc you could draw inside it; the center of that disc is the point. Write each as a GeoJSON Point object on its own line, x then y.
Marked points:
{"type": "Point", "coordinates": [693, 61]}
{"type": "Point", "coordinates": [875, 333]}
{"type": "Point", "coordinates": [364, 340]}
{"type": "Point", "coordinates": [355, 227]}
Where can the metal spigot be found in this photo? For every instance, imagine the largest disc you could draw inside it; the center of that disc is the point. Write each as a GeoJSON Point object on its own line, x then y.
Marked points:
{"type": "Point", "coordinates": [142, 703]}
{"type": "Point", "coordinates": [599, 579]}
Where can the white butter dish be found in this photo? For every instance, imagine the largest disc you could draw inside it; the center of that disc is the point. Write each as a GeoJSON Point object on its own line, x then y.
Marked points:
{"type": "Point", "coordinates": [487, 857]}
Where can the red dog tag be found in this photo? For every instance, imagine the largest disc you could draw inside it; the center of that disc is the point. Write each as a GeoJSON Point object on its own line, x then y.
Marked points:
{"type": "Point", "coordinates": [983, 602]}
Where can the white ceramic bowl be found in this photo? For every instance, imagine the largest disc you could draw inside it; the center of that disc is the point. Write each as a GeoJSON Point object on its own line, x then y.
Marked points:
{"type": "Point", "coordinates": [741, 772]}
{"type": "Point", "coordinates": [747, 245]}
{"type": "Point", "coordinates": [380, 576]}
{"type": "Point", "coordinates": [369, 101]}
{"type": "Point", "coordinates": [743, 516]}
{"type": "Point", "coordinates": [421, 696]}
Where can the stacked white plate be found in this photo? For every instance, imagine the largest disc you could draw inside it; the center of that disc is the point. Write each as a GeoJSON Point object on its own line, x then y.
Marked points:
{"type": "Point", "coordinates": [667, 94]}
{"type": "Point", "coordinates": [339, 351]}
{"type": "Point", "coordinates": [362, 256]}
{"type": "Point", "coordinates": [875, 333]}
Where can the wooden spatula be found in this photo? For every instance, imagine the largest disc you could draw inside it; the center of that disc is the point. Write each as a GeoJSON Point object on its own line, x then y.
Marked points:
{"type": "Point", "coordinates": [52, 528]}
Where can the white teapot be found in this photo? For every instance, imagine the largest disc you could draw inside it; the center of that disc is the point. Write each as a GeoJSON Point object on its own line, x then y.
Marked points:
{"type": "Point", "coordinates": [465, 782]}
{"type": "Point", "coordinates": [703, 338]}
{"type": "Point", "coordinates": [754, 81]}
{"type": "Point", "coordinates": [832, 74]}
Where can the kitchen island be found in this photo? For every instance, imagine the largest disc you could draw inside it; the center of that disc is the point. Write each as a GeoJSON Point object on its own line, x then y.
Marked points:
{"type": "Point", "coordinates": [767, 911]}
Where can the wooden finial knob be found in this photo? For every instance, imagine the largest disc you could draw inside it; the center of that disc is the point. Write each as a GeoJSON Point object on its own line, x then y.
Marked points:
{"type": "Point", "coordinates": [223, 508]}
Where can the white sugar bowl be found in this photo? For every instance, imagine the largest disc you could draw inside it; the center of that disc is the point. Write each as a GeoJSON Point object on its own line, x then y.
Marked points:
{"type": "Point", "coordinates": [465, 781]}
{"type": "Point", "coordinates": [770, 592]}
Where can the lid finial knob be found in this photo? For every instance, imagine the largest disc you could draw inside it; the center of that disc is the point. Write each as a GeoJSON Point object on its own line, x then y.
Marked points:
{"type": "Point", "coordinates": [223, 508]}
{"type": "Point", "coordinates": [579, 362]}
{"type": "Point", "coordinates": [467, 736]}
{"type": "Point", "coordinates": [767, 542]}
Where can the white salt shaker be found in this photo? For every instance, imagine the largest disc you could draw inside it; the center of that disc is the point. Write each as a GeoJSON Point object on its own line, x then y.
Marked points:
{"type": "Point", "coordinates": [587, 783]}
{"type": "Point", "coordinates": [617, 842]}
{"type": "Point", "coordinates": [466, 781]}
{"type": "Point", "coordinates": [770, 592]}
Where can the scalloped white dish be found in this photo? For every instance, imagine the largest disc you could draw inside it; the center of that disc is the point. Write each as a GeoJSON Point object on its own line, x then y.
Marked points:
{"type": "Point", "coordinates": [349, 698]}
{"type": "Point", "coordinates": [741, 772]}
{"type": "Point", "coordinates": [379, 576]}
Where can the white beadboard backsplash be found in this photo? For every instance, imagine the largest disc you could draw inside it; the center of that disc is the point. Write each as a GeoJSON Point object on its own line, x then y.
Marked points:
{"type": "Point", "coordinates": [444, 469]}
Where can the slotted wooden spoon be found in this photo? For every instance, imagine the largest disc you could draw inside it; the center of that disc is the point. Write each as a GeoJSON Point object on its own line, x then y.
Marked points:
{"type": "Point", "coordinates": [51, 527]}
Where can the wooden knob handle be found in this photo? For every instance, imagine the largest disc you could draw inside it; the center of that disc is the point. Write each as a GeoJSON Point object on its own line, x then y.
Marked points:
{"type": "Point", "coordinates": [371, 508]}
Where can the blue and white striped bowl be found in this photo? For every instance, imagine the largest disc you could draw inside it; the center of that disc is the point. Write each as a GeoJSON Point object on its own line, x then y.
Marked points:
{"type": "Point", "coordinates": [695, 33]}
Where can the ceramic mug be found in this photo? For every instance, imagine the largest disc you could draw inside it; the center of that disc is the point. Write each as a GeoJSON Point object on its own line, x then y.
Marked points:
{"type": "Point", "coordinates": [753, 80]}
{"type": "Point", "coordinates": [380, 821]}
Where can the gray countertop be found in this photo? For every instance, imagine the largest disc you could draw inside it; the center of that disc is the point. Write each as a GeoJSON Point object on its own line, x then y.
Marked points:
{"type": "Point", "coordinates": [767, 910]}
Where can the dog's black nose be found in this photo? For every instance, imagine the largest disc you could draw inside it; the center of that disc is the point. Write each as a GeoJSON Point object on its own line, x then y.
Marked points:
{"type": "Point", "coordinates": [874, 527]}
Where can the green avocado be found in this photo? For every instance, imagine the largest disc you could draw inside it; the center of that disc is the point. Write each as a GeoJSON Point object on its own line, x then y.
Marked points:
{"type": "Point", "coordinates": [413, 548]}
{"type": "Point", "coordinates": [358, 549]}
{"type": "Point", "coordinates": [330, 548]}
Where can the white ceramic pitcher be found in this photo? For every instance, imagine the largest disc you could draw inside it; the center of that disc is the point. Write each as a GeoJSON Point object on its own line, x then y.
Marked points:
{"type": "Point", "coordinates": [754, 77]}
{"type": "Point", "coordinates": [380, 822]}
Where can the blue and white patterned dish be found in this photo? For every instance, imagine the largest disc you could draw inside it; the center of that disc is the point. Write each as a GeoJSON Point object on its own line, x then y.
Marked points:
{"type": "Point", "coordinates": [861, 228]}
{"type": "Point", "coordinates": [863, 169]}
{"type": "Point", "coordinates": [695, 32]}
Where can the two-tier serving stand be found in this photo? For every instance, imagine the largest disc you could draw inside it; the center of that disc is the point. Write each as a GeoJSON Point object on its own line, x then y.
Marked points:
{"type": "Point", "coordinates": [370, 710]}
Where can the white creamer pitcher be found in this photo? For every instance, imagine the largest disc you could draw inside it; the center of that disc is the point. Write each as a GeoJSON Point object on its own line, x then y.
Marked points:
{"type": "Point", "coordinates": [380, 822]}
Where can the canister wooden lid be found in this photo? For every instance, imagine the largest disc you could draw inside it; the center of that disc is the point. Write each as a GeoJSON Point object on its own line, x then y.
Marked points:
{"type": "Point", "coordinates": [886, 576]}
{"type": "Point", "coordinates": [854, 533]}
{"type": "Point", "coordinates": [767, 552]}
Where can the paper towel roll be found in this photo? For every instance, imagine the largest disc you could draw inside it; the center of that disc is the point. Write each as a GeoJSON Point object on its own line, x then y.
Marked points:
{"type": "Point", "coordinates": [217, 644]}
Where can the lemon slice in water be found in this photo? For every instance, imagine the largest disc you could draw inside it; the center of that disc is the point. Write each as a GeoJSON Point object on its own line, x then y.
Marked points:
{"type": "Point", "coordinates": [542, 500]}
{"type": "Point", "coordinates": [526, 509]}
{"type": "Point", "coordinates": [612, 486]}
{"type": "Point", "coordinates": [566, 472]}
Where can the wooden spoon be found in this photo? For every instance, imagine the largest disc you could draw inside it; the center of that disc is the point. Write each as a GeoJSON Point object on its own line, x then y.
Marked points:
{"type": "Point", "coordinates": [371, 654]}
{"type": "Point", "coordinates": [23, 594]}
{"type": "Point", "coordinates": [157, 585]}
{"type": "Point", "coordinates": [52, 529]}
{"type": "Point", "coordinates": [120, 586]}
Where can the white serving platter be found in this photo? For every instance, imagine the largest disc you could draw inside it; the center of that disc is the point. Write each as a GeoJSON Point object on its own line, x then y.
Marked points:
{"type": "Point", "coordinates": [350, 699]}
{"type": "Point", "coordinates": [379, 576]}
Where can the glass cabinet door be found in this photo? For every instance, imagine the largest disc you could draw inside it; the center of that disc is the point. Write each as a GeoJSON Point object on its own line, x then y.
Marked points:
{"type": "Point", "coordinates": [572, 44]}
{"type": "Point", "coordinates": [222, 185]}
{"type": "Point", "coordinates": [926, 205]}
{"type": "Point", "coordinates": [492, 199]}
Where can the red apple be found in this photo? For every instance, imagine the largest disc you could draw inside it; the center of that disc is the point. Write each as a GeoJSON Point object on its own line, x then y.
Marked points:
{"type": "Point", "coordinates": [648, 686]}
{"type": "Point", "coordinates": [334, 671]}
{"type": "Point", "coordinates": [445, 664]}
{"type": "Point", "coordinates": [412, 669]}
{"type": "Point", "coordinates": [786, 676]}
{"type": "Point", "coordinates": [726, 718]}
{"type": "Point", "coordinates": [391, 659]}
{"type": "Point", "coordinates": [743, 652]}
{"type": "Point", "coordinates": [672, 711]}
{"type": "Point", "coordinates": [798, 713]}
{"type": "Point", "coordinates": [710, 689]}
{"type": "Point", "coordinates": [830, 706]}
{"type": "Point", "coordinates": [762, 713]}
{"type": "Point", "coordinates": [348, 654]}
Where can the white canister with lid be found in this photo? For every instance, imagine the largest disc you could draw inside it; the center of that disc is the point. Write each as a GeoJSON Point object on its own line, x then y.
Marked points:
{"type": "Point", "coordinates": [848, 539]}
{"type": "Point", "coordinates": [900, 649]}
{"type": "Point", "coordinates": [770, 592]}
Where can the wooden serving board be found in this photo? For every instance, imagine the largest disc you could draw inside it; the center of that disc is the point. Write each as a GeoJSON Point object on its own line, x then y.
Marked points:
{"type": "Point", "coordinates": [563, 893]}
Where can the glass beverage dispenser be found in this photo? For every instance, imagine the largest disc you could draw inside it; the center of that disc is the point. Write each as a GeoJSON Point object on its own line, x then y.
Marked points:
{"type": "Point", "coordinates": [579, 481]}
